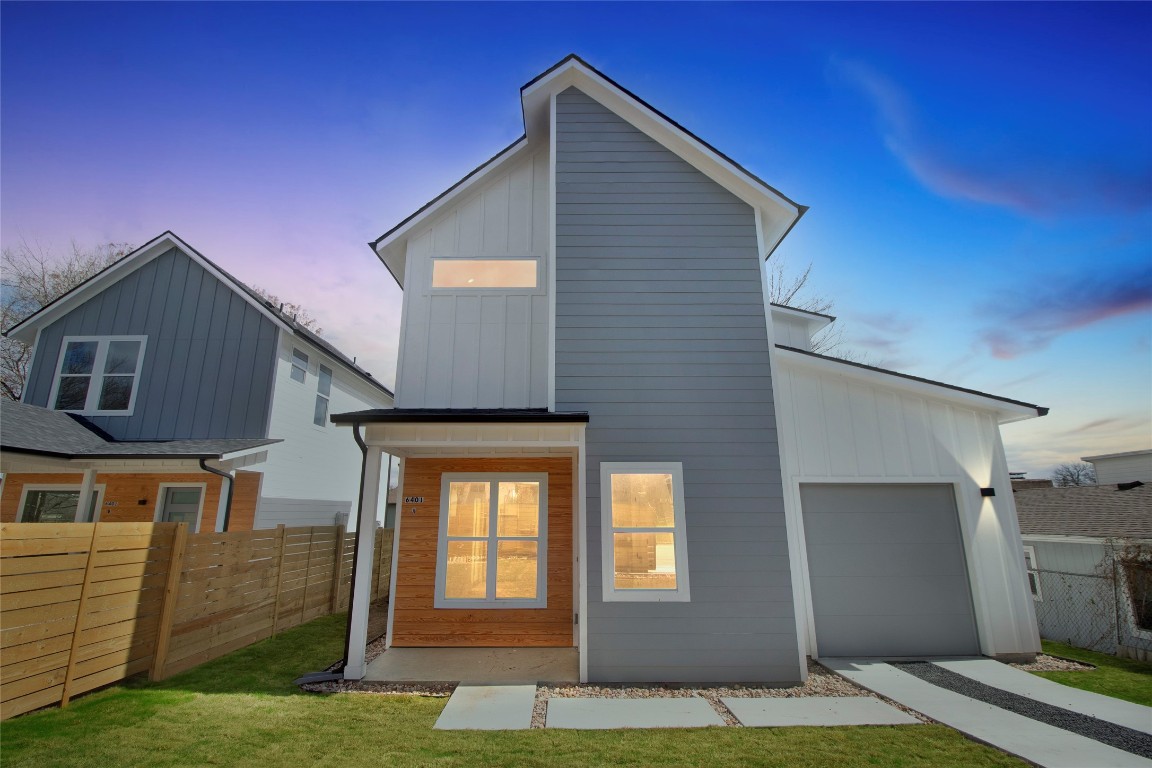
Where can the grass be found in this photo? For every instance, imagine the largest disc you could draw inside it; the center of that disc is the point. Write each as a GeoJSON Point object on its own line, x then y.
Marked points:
{"type": "Point", "coordinates": [1120, 678]}
{"type": "Point", "coordinates": [242, 711]}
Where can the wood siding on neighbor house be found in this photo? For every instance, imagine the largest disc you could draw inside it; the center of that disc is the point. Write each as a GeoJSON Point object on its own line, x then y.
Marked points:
{"type": "Point", "coordinates": [487, 348]}
{"type": "Point", "coordinates": [125, 490]}
{"type": "Point", "coordinates": [208, 362]}
{"type": "Point", "coordinates": [661, 336]}
{"type": "Point", "coordinates": [417, 623]}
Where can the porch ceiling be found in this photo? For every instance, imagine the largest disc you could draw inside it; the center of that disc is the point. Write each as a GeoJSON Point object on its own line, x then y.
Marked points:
{"type": "Point", "coordinates": [423, 440]}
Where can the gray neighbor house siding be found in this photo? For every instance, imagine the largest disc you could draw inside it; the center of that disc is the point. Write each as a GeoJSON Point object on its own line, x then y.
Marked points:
{"type": "Point", "coordinates": [661, 337]}
{"type": "Point", "coordinates": [208, 363]}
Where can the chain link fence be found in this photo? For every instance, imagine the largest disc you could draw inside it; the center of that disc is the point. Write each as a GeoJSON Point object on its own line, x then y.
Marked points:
{"type": "Point", "coordinates": [1093, 611]}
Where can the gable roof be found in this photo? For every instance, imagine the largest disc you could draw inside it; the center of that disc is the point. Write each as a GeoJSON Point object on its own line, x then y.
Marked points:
{"type": "Point", "coordinates": [1096, 511]}
{"type": "Point", "coordinates": [25, 330]}
{"type": "Point", "coordinates": [776, 212]}
{"type": "Point", "coordinates": [43, 432]}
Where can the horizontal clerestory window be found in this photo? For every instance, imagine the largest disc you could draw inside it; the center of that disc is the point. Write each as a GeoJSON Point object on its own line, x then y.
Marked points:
{"type": "Point", "coordinates": [484, 273]}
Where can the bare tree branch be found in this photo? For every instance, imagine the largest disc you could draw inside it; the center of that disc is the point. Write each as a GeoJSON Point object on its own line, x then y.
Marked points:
{"type": "Point", "coordinates": [1073, 474]}
{"type": "Point", "coordinates": [298, 312]}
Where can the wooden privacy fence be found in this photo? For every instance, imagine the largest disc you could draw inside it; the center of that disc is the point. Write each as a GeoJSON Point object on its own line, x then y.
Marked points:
{"type": "Point", "coordinates": [83, 605]}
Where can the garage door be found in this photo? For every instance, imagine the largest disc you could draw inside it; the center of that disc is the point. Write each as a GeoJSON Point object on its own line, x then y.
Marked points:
{"type": "Point", "coordinates": [886, 565]}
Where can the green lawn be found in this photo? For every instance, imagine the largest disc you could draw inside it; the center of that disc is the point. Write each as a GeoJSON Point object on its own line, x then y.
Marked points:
{"type": "Point", "coordinates": [1120, 678]}
{"type": "Point", "coordinates": [243, 710]}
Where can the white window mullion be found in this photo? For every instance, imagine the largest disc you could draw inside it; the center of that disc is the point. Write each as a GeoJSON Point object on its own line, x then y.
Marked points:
{"type": "Point", "coordinates": [493, 539]}
{"type": "Point", "coordinates": [96, 384]}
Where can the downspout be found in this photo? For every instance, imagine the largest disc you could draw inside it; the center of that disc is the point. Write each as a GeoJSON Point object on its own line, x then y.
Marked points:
{"type": "Point", "coordinates": [231, 486]}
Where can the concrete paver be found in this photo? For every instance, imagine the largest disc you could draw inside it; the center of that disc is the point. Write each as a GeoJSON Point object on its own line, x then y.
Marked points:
{"type": "Point", "coordinates": [816, 710]}
{"type": "Point", "coordinates": [489, 665]}
{"type": "Point", "coordinates": [1004, 677]}
{"type": "Point", "coordinates": [488, 708]}
{"type": "Point", "coordinates": [1037, 742]}
{"type": "Point", "coordinates": [631, 713]}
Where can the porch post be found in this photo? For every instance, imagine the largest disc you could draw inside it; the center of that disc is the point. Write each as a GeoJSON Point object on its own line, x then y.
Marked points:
{"type": "Point", "coordinates": [87, 486]}
{"type": "Point", "coordinates": [354, 666]}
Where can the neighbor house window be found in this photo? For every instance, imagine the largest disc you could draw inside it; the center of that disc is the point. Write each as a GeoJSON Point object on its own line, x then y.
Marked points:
{"type": "Point", "coordinates": [493, 541]}
{"type": "Point", "coordinates": [98, 375]}
{"type": "Point", "coordinates": [56, 504]}
{"type": "Point", "coordinates": [484, 273]}
{"type": "Point", "coordinates": [1033, 573]}
{"type": "Point", "coordinates": [645, 553]}
{"type": "Point", "coordinates": [323, 392]}
{"type": "Point", "coordinates": [299, 366]}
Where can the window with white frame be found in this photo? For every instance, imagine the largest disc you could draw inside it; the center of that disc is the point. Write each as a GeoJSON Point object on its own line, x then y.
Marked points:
{"type": "Point", "coordinates": [1033, 573]}
{"type": "Point", "coordinates": [484, 273]}
{"type": "Point", "coordinates": [98, 375]}
{"type": "Point", "coordinates": [57, 504]}
{"type": "Point", "coordinates": [323, 392]}
{"type": "Point", "coordinates": [493, 541]}
{"type": "Point", "coordinates": [645, 552]}
{"type": "Point", "coordinates": [299, 366]}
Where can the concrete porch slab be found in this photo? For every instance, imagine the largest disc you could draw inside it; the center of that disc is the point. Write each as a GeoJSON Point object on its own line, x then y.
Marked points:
{"type": "Point", "coordinates": [488, 708]}
{"type": "Point", "coordinates": [605, 714]}
{"type": "Point", "coordinates": [486, 665]}
{"type": "Point", "coordinates": [1017, 681]}
{"type": "Point", "coordinates": [816, 710]}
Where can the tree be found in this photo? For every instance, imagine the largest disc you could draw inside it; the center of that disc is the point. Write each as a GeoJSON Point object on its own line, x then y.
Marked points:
{"type": "Point", "coordinates": [32, 277]}
{"type": "Point", "coordinates": [299, 314]}
{"type": "Point", "coordinates": [1073, 474]}
{"type": "Point", "coordinates": [789, 288]}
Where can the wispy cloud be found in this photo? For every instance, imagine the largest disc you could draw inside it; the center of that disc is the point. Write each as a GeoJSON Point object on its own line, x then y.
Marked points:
{"type": "Point", "coordinates": [1012, 171]}
{"type": "Point", "coordinates": [1032, 316]}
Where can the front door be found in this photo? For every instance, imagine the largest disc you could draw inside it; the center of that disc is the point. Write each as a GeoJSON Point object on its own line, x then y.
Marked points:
{"type": "Point", "coordinates": [181, 505]}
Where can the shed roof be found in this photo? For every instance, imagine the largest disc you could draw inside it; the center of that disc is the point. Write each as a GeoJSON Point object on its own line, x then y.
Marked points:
{"type": "Point", "coordinates": [1096, 511]}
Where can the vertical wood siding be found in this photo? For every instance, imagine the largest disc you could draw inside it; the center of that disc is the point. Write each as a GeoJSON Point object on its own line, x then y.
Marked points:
{"type": "Point", "coordinates": [479, 349]}
{"type": "Point", "coordinates": [209, 352]}
{"type": "Point", "coordinates": [417, 623]}
{"type": "Point", "coordinates": [661, 337]}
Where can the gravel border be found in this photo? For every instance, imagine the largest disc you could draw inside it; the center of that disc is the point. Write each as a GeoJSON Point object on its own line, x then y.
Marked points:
{"type": "Point", "coordinates": [1118, 736]}
{"type": "Point", "coordinates": [1046, 663]}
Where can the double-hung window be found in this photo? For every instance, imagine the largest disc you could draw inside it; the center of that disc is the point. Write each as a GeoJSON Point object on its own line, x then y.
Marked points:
{"type": "Point", "coordinates": [1033, 573]}
{"type": "Point", "coordinates": [645, 552]}
{"type": "Point", "coordinates": [493, 542]}
{"type": "Point", "coordinates": [323, 392]}
{"type": "Point", "coordinates": [299, 366]}
{"type": "Point", "coordinates": [98, 375]}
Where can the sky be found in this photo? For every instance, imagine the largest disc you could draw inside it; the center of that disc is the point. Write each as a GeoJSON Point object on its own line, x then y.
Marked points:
{"type": "Point", "coordinates": [979, 174]}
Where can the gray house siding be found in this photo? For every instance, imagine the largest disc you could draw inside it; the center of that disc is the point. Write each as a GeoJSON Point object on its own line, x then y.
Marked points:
{"type": "Point", "coordinates": [661, 337]}
{"type": "Point", "coordinates": [209, 360]}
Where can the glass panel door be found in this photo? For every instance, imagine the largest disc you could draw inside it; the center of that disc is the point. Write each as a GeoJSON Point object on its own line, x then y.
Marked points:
{"type": "Point", "coordinates": [181, 505]}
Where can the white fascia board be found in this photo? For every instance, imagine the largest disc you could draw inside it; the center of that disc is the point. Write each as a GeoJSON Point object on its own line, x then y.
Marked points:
{"type": "Point", "coordinates": [815, 323]}
{"type": "Point", "coordinates": [1055, 539]}
{"type": "Point", "coordinates": [779, 213]}
{"type": "Point", "coordinates": [25, 331]}
{"type": "Point", "coordinates": [1123, 455]}
{"type": "Point", "coordinates": [390, 248]}
{"type": "Point", "coordinates": [233, 455]}
{"type": "Point", "coordinates": [1005, 412]}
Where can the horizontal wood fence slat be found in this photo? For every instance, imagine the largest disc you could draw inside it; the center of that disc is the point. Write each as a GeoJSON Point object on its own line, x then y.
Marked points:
{"type": "Point", "coordinates": [84, 605]}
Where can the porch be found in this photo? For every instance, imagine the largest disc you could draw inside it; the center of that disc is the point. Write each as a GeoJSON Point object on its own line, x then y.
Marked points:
{"type": "Point", "coordinates": [490, 665]}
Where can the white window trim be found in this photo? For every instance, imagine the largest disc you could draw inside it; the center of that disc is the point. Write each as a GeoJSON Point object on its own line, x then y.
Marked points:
{"type": "Point", "coordinates": [610, 593]}
{"type": "Point", "coordinates": [103, 342]}
{"type": "Point", "coordinates": [292, 366]}
{"type": "Point", "coordinates": [1032, 569]}
{"type": "Point", "coordinates": [327, 397]}
{"type": "Point", "coordinates": [97, 489]}
{"type": "Point", "coordinates": [541, 599]}
{"type": "Point", "coordinates": [537, 289]}
{"type": "Point", "coordinates": [162, 491]}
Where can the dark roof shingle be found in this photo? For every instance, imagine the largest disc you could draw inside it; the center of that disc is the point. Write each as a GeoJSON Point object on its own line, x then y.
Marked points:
{"type": "Point", "coordinates": [1098, 511]}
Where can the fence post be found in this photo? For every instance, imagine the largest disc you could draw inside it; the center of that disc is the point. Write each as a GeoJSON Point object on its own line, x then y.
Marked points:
{"type": "Point", "coordinates": [66, 692]}
{"type": "Point", "coordinates": [337, 569]}
{"type": "Point", "coordinates": [280, 536]}
{"type": "Point", "coordinates": [171, 594]}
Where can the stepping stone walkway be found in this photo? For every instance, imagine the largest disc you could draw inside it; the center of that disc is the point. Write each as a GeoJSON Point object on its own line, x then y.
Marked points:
{"type": "Point", "coordinates": [603, 714]}
{"type": "Point", "coordinates": [480, 707]}
{"type": "Point", "coordinates": [816, 710]}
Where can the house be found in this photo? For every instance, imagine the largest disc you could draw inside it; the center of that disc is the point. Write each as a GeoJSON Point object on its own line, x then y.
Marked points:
{"type": "Point", "coordinates": [166, 354]}
{"type": "Point", "coordinates": [1122, 467]}
{"type": "Point", "coordinates": [1088, 550]}
{"type": "Point", "coordinates": [611, 441]}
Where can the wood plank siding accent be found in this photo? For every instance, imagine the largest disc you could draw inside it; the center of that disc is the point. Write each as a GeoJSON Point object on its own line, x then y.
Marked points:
{"type": "Point", "coordinates": [661, 336]}
{"type": "Point", "coordinates": [127, 489]}
{"type": "Point", "coordinates": [208, 364]}
{"type": "Point", "coordinates": [417, 623]}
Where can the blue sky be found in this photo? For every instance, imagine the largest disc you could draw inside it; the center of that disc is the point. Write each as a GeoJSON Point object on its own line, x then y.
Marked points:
{"type": "Point", "coordinates": [979, 174]}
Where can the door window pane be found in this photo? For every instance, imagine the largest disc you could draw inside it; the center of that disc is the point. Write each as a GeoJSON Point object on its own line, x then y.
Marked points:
{"type": "Point", "coordinates": [642, 501]}
{"type": "Point", "coordinates": [468, 509]}
{"type": "Point", "coordinates": [645, 560]}
{"type": "Point", "coordinates": [466, 574]}
{"type": "Point", "coordinates": [181, 505]}
{"type": "Point", "coordinates": [516, 569]}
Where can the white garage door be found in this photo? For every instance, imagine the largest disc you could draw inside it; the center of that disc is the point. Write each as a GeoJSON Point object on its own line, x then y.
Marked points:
{"type": "Point", "coordinates": [887, 569]}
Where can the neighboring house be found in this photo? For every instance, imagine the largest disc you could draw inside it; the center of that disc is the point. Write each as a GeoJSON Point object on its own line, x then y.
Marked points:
{"type": "Point", "coordinates": [611, 440]}
{"type": "Point", "coordinates": [1088, 550]}
{"type": "Point", "coordinates": [166, 346]}
{"type": "Point", "coordinates": [1122, 467]}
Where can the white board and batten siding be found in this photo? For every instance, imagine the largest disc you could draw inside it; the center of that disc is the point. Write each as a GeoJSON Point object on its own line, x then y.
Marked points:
{"type": "Point", "coordinates": [791, 331]}
{"type": "Point", "coordinates": [1123, 468]}
{"type": "Point", "coordinates": [838, 429]}
{"type": "Point", "coordinates": [480, 348]}
{"type": "Point", "coordinates": [315, 473]}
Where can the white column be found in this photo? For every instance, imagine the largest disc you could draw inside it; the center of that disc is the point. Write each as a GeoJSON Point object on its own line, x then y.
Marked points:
{"type": "Point", "coordinates": [87, 486]}
{"type": "Point", "coordinates": [354, 666]}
